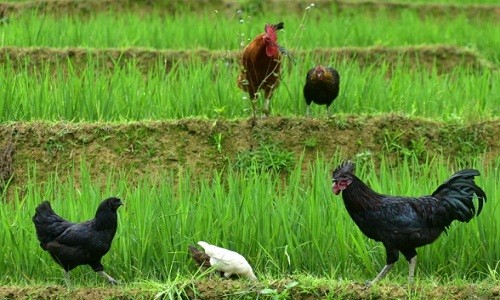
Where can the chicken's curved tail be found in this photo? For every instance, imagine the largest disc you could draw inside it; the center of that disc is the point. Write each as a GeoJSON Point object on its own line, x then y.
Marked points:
{"type": "Point", "coordinates": [278, 26]}
{"type": "Point", "coordinates": [456, 198]}
{"type": "Point", "coordinates": [47, 223]}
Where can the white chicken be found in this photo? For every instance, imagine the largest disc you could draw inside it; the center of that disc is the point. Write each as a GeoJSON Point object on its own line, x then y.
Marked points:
{"type": "Point", "coordinates": [227, 261]}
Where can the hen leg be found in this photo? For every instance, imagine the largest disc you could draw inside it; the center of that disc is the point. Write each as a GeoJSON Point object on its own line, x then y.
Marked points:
{"type": "Point", "coordinates": [110, 279]}
{"type": "Point", "coordinates": [413, 264]}
{"type": "Point", "coordinates": [308, 111]}
{"type": "Point", "coordinates": [66, 278]}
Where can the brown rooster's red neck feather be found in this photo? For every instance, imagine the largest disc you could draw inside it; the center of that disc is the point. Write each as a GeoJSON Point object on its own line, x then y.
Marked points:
{"type": "Point", "coordinates": [271, 38]}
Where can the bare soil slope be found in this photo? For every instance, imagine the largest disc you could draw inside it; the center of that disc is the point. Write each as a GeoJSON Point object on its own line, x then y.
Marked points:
{"type": "Point", "coordinates": [146, 148]}
{"type": "Point", "coordinates": [442, 58]}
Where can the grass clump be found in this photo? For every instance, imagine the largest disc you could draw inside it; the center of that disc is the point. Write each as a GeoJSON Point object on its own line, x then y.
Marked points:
{"type": "Point", "coordinates": [283, 225]}
{"type": "Point", "coordinates": [269, 156]}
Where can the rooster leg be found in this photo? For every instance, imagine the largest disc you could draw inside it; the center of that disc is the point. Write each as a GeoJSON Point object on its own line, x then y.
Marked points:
{"type": "Point", "coordinates": [110, 279]}
{"type": "Point", "coordinates": [411, 257]}
{"type": "Point", "coordinates": [328, 111]}
{"type": "Point", "coordinates": [413, 264]}
{"type": "Point", "coordinates": [308, 111]}
{"type": "Point", "coordinates": [254, 111]}
{"type": "Point", "coordinates": [381, 274]}
{"type": "Point", "coordinates": [266, 107]}
{"type": "Point", "coordinates": [392, 258]}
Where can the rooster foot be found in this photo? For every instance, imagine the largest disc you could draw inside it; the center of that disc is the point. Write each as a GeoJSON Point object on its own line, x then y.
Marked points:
{"type": "Point", "coordinates": [265, 113]}
{"type": "Point", "coordinates": [114, 282]}
{"type": "Point", "coordinates": [252, 121]}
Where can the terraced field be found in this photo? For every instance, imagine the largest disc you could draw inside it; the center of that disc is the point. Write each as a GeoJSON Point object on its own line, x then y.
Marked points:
{"type": "Point", "coordinates": [139, 99]}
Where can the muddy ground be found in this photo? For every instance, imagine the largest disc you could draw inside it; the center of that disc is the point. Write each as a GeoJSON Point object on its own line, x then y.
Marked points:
{"type": "Point", "coordinates": [237, 289]}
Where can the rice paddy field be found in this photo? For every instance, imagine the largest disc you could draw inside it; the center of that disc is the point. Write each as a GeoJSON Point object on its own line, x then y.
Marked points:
{"type": "Point", "coordinates": [138, 99]}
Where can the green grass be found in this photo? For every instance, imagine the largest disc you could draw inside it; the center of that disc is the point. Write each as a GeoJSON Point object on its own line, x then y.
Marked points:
{"type": "Point", "coordinates": [454, 2]}
{"type": "Point", "coordinates": [283, 225]}
{"type": "Point", "coordinates": [209, 89]}
{"type": "Point", "coordinates": [318, 28]}
{"type": "Point", "coordinates": [286, 225]}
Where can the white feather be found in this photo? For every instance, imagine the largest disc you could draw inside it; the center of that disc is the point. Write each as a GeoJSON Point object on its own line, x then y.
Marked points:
{"type": "Point", "coordinates": [227, 261]}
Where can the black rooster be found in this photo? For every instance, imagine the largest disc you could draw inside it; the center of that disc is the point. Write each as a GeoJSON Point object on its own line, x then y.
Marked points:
{"type": "Point", "coordinates": [322, 87]}
{"type": "Point", "coordinates": [73, 244]}
{"type": "Point", "coordinates": [405, 223]}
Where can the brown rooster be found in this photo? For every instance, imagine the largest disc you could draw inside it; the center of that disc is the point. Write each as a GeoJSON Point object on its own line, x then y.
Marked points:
{"type": "Point", "coordinates": [322, 87]}
{"type": "Point", "coordinates": [261, 62]}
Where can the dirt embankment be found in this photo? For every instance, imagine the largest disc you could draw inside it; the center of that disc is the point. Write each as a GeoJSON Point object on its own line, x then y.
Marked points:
{"type": "Point", "coordinates": [149, 148]}
{"type": "Point", "coordinates": [211, 289]}
{"type": "Point", "coordinates": [442, 58]}
{"type": "Point", "coordinates": [65, 7]}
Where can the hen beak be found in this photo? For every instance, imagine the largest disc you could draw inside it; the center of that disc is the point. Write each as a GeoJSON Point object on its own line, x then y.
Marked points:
{"type": "Point", "coordinates": [335, 188]}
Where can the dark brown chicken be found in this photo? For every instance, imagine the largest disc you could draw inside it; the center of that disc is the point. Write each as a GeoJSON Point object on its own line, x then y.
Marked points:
{"type": "Point", "coordinates": [322, 87]}
{"type": "Point", "coordinates": [261, 63]}
{"type": "Point", "coordinates": [200, 258]}
{"type": "Point", "coordinates": [403, 224]}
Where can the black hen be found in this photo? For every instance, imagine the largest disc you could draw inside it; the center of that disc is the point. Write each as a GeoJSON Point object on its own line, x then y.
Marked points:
{"type": "Point", "coordinates": [73, 244]}
{"type": "Point", "coordinates": [405, 223]}
{"type": "Point", "coordinates": [322, 87]}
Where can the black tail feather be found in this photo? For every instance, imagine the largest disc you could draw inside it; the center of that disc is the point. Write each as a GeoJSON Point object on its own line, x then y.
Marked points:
{"type": "Point", "coordinates": [457, 194]}
{"type": "Point", "coordinates": [279, 26]}
{"type": "Point", "coordinates": [47, 223]}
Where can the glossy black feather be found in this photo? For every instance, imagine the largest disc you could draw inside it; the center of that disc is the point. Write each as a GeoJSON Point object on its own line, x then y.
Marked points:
{"type": "Point", "coordinates": [405, 223]}
{"type": "Point", "coordinates": [277, 26]}
{"type": "Point", "coordinates": [73, 244]}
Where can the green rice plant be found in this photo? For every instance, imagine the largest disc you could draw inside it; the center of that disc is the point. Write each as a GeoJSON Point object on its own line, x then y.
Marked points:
{"type": "Point", "coordinates": [269, 156]}
{"type": "Point", "coordinates": [288, 224]}
{"type": "Point", "coordinates": [199, 88]}
{"type": "Point", "coordinates": [454, 2]}
{"type": "Point", "coordinates": [326, 27]}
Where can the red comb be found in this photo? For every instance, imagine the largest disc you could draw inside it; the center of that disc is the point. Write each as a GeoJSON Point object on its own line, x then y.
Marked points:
{"type": "Point", "coordinates": [271, 32]}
